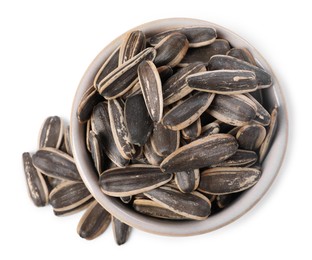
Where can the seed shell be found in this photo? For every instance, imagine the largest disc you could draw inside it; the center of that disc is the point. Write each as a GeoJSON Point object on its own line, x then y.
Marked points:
{"type": "Point", "coordinates": [69, 195]}
{"type": "Point", "coordinates": [175, 87]}
{"type": "Point", "coordinates": [187, 181]}
{"type": "Point", "coordinates": [71, 211]}
{"type": "Point", "coordinates": [225, 180]}
{"type": "Point", "coordinates": [51, 133]}
{"type": "Point", "coordinates": [171, 50]}
{"type": "Point", "coordinates": [55, 163]}
{"type": "Point", "coordinates": [188, 111]}
{"type": "Point", "coordinates": [191, 205]}
{"type": "Point", "coordinates": [225, 200]}
{"type": "Point", "coordinates": [165, 72]}
{"type": "Point", "coordinates": [36, 184]}
{"type": "Point", "coordinates": [264, 148]}
{"type": "Point", "coordinates": [121, 231]}
{"type": "Point", "coordinates": [242, 54]}
{"type": "Point", "coordinates": [197, 36]}
{"type": "Point", "coordinates": [121, 79]}
{"type": "Point", "coordinates": [150, 154]}
{"type": "Point", "coordinates": [263, 117]}
{"type": "Point", "coordinates": [210, 129]}
{"type": "Point", "coordinates": [220, 62]}
{"type": "Point", "coordinates": [152, 89]}
{"type": "Point", "coordinates": [97, 153]}
{"type": "Point", "coordinates": [226, 82]}
{"type": "Point", "coordinates": [67, 141]}
{"type": "Point", "coordinates": [203, 54]}
{"type": "Point", "coordinates": [240, 158]}
{"type": "Point", "coordinates": [235, 110]}
{"type": "Point", "coordinates": [119, 129]}
{"type": "Point", "coordinates": [203, 152]}
{"type": "Point", "coordinates": [132, 180]}
{"type": "Point", "coordinates": [93, 222]}
{"type": "Point", "coordinates": [154, 209]}
{"type": "Point", "coordinates": [164, 141]}
{"type": "Point", "coordinates": [251, 136]}
{"type": "Point", "coordinates": [192, 131]}
{"type": "Point", "coordinates": [133, 44]}
{"type": "Point", "coordinates": [138, 121]}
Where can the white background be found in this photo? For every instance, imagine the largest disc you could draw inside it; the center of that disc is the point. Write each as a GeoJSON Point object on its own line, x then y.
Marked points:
{"type": "Point", "coordinates": [45, 47]}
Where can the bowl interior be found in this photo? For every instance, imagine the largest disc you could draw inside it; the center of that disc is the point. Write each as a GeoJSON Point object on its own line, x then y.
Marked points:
{"type": "Point", "coordinates": [273, 96]}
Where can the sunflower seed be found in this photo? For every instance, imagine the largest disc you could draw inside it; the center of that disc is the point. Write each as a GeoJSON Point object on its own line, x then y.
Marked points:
{"type": "Point", "coordinates": [97, 153]}
{"type": "Point", "coordinates": [121, 79]}
{"type": "Point", "coordinates": [132, 180]}
{"type": "Point", "coordinates": [171, 50]}
{"type": "Point", "coordinates": [210, 129]}
{"type": "Point", "coordinates": [126, 199]}
{"type": "Point", "coordinates": [151, 88]}
{"type": "Point", "coordinates": [108, 66]}
{"type": "Point", "coordinates": [262, 115]}
{"type": "Point", "coordinates": [165, 72]}
{"type": "Point", "coordinates": [220, 62]}
{"type": "Point", "coordinates": [191, 205]}
{"type": "Point", "coordinates": [150, 154]}
{"type": "Point", "coordinates": [119, 129]}
{"type": "Point", "coordinates": [136, 89]}
{"type": "Point", "coordinates": [51, 133]}
{"type": "Point", "coordinates": [197, 36]}
{"type": "Point", "coordinates": [203, 152]}
{"type": "Point", "coordinates": [250, 136]}
{"type": "Point", "coordinates": [264, 148]}
{"type": "Point", "coordinates": [188, 111]}
{"type": "Point", "coordinates": [67, 141]}
{"type": "Point", "coordinates": [225, 200]}
{"type": "Point", "coordinates": [175, 87]}
{"type": "Point", "coordinates": [133, 43]}
{"type": "Point", "coordinates": [90, 99]}
{"type": "Point", "coordinates": [121, 231]}
{"type": "Point", "coordinates": [235, 110]}
{"type": "Point", "coordinates": [240, 158]}
{"type": "Point", "coordinates": [68, 196]}
{"type": "Point", "coordinates": [138, 122]}
{"type": "Point", "coordinates": [226, 82]}
{"type": "Point", "coordinates": [187, 181]}
{"type": "Point", "coordinates": [242, 54]}
{"type": "Point", "coordinates": [93, 222]}
{"type": "Point", "coordinates": [101, 126]}
{"type": "Point", "coordinates": [164, 141]}
{"type": "Point", "coordinates": [88, 129]}
{"type": "Point", "coordinates": [225, 180]}
{"type": "Point", "coordinates": [62, 213]}
{"type": "Point", "coordinates": [154, 209]}
{"type": "Point", "coordinates": [203, 54]}
{"type": "Point", "coordinates": [36, 184]}
{"type": "Point", "coordinates": [55, 163]}
{"type": "Point", "coordinates": [192, 131]}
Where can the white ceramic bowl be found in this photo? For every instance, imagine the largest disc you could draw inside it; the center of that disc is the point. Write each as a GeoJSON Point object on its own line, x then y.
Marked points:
{"type": "Point", "coordinates": [245, 202]}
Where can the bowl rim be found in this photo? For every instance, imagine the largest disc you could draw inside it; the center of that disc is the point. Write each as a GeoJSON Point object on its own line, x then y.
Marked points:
{"type": "Point", "coordinates": [242, 205]}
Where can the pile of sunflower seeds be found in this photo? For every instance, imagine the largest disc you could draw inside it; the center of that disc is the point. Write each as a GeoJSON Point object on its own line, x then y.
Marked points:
{"type": "Point", "coordinates": [176, 126]}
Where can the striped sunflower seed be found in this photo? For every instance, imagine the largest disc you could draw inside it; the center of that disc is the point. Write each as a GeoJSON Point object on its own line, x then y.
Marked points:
{"type": "Point", "coordinates": [57, 164]}
{"type": "Point", "coordinates": [68, 196]}
{"type": "Point", "coordinates": [138, 121]}
{"type": "Point", "coordinates": [175, 87]}
{"type": "Point", "coordinates": [154, 209]}
{"type": "Point", "coordinates": [51, 133]}
{"type": "Point", "coordinates": [262, 115]}
{"type": "Point", "coordinates": [121, 79]}
{"type": "Point", "coordinates": [187, 181]}
{"type": "Point", "coordinates": [67, 141]}
{"type": "Point", "coordinates": [152, 89]}
{"type": "Point", "coordinates": [220, 62]}
{"type": "Point", "coordinates": [236, 110]}
{"type": "Point", "coordinates": [133, 43]}
{"type": "Point", "coordinates": [108, 66]}
{"type": "Point", "coordinates": [171, 50]}
{"type": "Point", "coordinates": [119, 129]}
{"type": "Point", "coordinates": [151, 155]}
{"type": "Point", "coordinates": [240, 158]}
{"type": "Point", "coordinates": [197, 36]}
{"type": "Point", "coordinates": [203, 152]}
{"type": "Point", "coordinates": [225, 200]}
{"type": "Point", "coordinates": [226, 82]}
{"type": "Point", "coordinates": [210, 129]}
{"type": "Point", "coordinates": [36, 184]}
{"type": "Point", "coordinates": [242, 54]}
{"type": "Point", "coordinates": [192, 131]}
{"type": "Point", "coordinates": [192, 205]}
{"type": "Point", "coordinates": [203, 54]}
{"type": "Point", "coordinates": [97, 153]}
{"type": "Point", "coordinates": [264, 148]}
{"type": "Point", "coordinates": [93, 222]}
{"type": "Point", "coordinates": [250, 136]}
{"type": "Point", "coordinates": [121, 231]}
{"type": "Point", "coordinates": [164, 141]}
{"type": "Point", "coordinates": [165, 72]}
{"type": "Point", "coordinates": [188, 111]}
{"type": "Point", "coordinates": [225, 180]}
{"type": "Point", "coordinates": [132, 180]}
